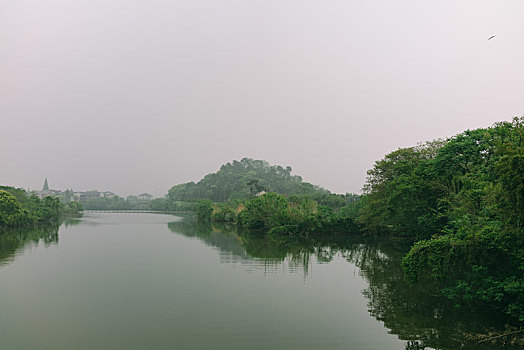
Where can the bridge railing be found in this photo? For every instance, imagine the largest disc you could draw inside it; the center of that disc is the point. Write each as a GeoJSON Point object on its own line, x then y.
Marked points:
{"type": "Point", "coordinates": [136, 211]}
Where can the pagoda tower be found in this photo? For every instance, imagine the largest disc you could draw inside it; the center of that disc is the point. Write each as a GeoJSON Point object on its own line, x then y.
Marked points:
{"type": "Point", "coordinates": [45, 190]}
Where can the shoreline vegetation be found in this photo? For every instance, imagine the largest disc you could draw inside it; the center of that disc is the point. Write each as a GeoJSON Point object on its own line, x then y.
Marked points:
{"type": "Point", "coordinates": [18, 209]}
{"type": "Point", "coordinates": [459, 201]}
{"type": "Point", "coordinates": [411, 312]}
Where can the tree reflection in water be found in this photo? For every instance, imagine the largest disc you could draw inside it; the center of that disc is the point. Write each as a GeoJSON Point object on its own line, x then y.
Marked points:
{"type": "Point", "coordinates": [417, 315]}
{"type": "Point", "coordinates": [13, 241]}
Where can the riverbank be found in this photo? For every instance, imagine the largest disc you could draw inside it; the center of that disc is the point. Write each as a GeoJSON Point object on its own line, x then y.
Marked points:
{"type": "Point", "coordinates": [170, 281]}
{"type": "Point", "coordinates": [275, 214]}
{"type": "Point", "coordinates": [460, 201]}
{"type": "Point", "coordinates": [410, 311]}
{"type": "Point", "coordinates": [20, 209]}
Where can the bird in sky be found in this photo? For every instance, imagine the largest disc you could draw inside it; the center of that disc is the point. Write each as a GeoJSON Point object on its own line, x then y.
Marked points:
{"type": "Point", "coordinates": [491, 37]}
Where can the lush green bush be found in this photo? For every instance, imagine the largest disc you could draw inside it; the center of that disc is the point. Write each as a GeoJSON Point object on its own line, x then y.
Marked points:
{"type": "Point", "coordinates": [17, 208]}
{"type": "Point", "coordinates": [278, 215]}
{"type": "Point", "coordinates": [402, 196]}
{"type": "Point", "coordinates": [72, 208]}
{"type": "Point", "coordinates": [10, 211]}
{"type": "Point", "coordinates": [204, 210]}
{"type": "Point", "coordinates": [463, 200]}
{"type": "Point", "coordinates": [484, 269]}
{"type": "Point", "coordinates": [265, 212]}
{"type": "Point", "coordinates": [224, 212]}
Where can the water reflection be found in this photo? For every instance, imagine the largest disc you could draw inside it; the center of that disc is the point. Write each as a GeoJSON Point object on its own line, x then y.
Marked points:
{"type": "Point", "coordinates": [416, 315]}
{"type": "Point", "coordinates": [13, 241]}
{"type": "Point", "coordinates": [250, 248]}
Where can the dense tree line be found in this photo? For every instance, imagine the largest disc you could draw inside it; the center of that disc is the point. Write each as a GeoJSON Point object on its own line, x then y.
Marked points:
{"type": "Point", "coordinates": [116, 203]}
{"type": "Point", "coordinates": [18, 208]}
{"type": "Point", "coordinates": [132, 202]}
{"type": "Point", "coordinates": [462, 201]}
{"type": "Point", "coordinates": [244, 179]}
{"type": "Point", "coordinates": [275, 214]}
{"type": "Point", "coordinates": [167, 205]}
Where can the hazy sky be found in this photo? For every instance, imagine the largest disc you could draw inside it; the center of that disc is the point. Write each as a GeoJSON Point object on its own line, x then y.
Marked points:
{"type": "Point", "coordinates": [136, 96]}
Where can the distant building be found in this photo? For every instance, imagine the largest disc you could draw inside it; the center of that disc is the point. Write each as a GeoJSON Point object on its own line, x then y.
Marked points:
{"type": "Point", "coordinates": [108, 194]}
{"type": "Point", "coordinates": [144, 197]}
{"type": "Point", "coordinates": [47, 192]}
{"type": "Point", "coordinates": [90, 195]}
{"type": "Point", "coordinates": [74, 196]}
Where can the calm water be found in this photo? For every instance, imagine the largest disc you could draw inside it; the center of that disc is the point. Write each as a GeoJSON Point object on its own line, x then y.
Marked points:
{"type": "Point", "coordinates": [149, 281]}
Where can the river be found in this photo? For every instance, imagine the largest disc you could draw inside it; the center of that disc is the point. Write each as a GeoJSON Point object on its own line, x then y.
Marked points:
{"type": "Point", "coordinates": [155, 281]}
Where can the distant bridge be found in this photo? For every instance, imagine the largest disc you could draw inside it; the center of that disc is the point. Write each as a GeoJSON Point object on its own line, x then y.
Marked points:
{"type": "Point", "coordinates": [136, 211]}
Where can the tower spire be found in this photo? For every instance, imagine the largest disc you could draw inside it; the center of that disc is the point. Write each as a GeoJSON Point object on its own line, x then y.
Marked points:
{"type": "Point", "coordinates": [46, 186]}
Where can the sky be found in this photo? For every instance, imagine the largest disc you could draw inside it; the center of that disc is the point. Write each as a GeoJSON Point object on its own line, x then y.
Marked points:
{"type": "Point", "coordinates": [137, 96]}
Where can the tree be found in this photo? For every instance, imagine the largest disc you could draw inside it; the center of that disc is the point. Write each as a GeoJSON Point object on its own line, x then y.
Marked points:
{"type": "Point", "coordinates": [477, 258]}
{"type": "Point", "coordinates": [402, 196]}
{"type": "Point", "coordinates": [265, 212]}
{"type": "Point", "coordinates": [242, 180]}
{"type": "Point", "coordinates": [204, 210]}
{"type": "Point", "coordinates": [9, 208]}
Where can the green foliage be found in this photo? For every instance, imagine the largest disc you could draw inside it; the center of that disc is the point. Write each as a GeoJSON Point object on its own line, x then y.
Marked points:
{"type": "Point", "coordinates": [19, 209]}
{"type": "Point", "coordinates": [224, 212]}
{"type": "Point", "coordinates": [159, 204]}
{"type": "Point", "coordinates": [335, 201]}
{"type": "Point", "coordinates": [277, 215]}
{"type": "Point", "coordinates": [163, 204]}
{"type": "Point", "coordinates": [115, 203]}
{"type": "Point", "coordinates": [402, 196]}
{"type": "Point", "coordinates": [463, 199]}
{"type": "Point", "coordinates": [204, 210]}
{"type": "Point", "coordinates": [19, 193]}
{"type": "Point", "coordinates": [72, 208]}
{"type": "Point", "coordinates": [242, 180]}
{"type": "Point", "coordinates": [479, 270]}
{"type": "Point", "coordinates": [265, 212]}
{"type": "Point", "coordinates": [132, 202]}
{"type": "Point", "coordinates": [509, 170]}
{"type": "Point", "coordinates": [9, 208]}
